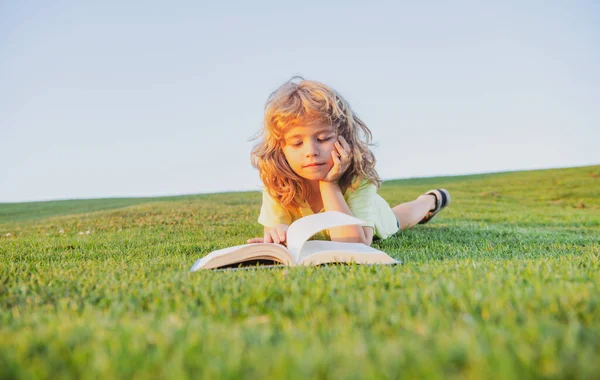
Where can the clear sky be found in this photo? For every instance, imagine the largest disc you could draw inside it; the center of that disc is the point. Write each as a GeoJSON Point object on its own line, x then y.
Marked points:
{"type": "Point", "coordinates": [119, 98]}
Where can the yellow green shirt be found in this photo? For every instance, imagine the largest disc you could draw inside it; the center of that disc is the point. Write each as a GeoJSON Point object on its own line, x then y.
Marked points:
{"type": "Point", "coordinates": [363, 201]}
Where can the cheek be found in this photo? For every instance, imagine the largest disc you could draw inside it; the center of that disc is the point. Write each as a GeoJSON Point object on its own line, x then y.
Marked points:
{"type": "Point", "coordinates": [291, 157]}
{"type": "Point", "coordinates": [328, 149]}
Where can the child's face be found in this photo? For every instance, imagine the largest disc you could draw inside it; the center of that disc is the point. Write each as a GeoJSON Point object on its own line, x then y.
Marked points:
{"type": "Point", "coordinates": [307, 150]}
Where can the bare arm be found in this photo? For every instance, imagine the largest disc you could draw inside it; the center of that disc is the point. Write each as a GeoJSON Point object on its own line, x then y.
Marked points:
{"type": "Point", "coordinates": [333, 200]}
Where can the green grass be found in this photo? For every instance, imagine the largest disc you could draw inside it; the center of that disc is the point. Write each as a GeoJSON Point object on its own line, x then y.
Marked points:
{"type": "Point", "coordinates": [504, 283]}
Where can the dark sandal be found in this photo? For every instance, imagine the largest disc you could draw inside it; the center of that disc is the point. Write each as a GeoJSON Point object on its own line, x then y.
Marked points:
{"type": "Point", "coordinates": [442, 199]}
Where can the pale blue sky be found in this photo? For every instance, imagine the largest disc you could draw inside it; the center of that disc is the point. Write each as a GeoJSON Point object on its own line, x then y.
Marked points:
{"type": "Point", "coordinates": [117, 98]}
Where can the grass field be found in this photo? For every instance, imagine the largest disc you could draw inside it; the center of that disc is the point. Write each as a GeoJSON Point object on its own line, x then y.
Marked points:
{"type": "Point", "coordinates": [504, 283]}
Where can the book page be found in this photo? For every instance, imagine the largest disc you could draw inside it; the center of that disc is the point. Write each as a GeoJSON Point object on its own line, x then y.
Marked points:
{"type": "Point", "coordinates": [321, 252]}
{"type": "Point", "coordinates": [243, 252]}
{"type": "Point", "coordinates": [315, 246]}
{"type": "Point", "coordinates": [302, 229]}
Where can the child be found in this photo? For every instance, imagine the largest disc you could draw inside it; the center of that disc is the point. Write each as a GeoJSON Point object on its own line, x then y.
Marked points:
{"type": "Point", "coordinates": [313, 156]}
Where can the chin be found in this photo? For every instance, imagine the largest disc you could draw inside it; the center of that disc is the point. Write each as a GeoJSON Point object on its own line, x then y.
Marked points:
{"type": "Point", "coordinates": [313, 176]}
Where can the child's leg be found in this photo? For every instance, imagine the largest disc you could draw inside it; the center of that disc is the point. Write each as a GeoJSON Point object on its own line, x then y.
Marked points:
{"type": "Point", "coordinates": [411, 213]}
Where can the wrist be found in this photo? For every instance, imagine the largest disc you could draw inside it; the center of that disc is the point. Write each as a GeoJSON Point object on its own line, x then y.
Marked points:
{"type": "Point", "coordinates": [328, 186]}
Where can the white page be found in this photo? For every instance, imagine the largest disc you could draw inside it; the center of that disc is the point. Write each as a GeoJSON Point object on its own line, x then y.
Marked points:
{"type": "Point", "coordinates": [302, 229]}
{"type": "Point", "coordinates": [312, 247]}
{"type": "Point", "coordinates": [323, 252]}
{"type": "Point", "coordinates": [225, 251]}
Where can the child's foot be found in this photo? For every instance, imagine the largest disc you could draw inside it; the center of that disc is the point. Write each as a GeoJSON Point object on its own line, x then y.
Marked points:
{"type": "Point", "coordinates": [442, 199]}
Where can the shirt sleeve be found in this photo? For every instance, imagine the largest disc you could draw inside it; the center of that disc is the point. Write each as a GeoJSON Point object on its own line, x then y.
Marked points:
{"type": "Point", "coordinates": [272, 213]}
{"type": "Point", "coordinates": [362, 202]}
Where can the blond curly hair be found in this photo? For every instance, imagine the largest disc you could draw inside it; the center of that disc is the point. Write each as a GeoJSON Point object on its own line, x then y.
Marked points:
{"type": "Point", "coordinates": [303, 102]}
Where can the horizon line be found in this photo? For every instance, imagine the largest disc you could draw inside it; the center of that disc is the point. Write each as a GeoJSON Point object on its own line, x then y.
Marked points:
{"type": "Point", "coordinates": [224, 191]}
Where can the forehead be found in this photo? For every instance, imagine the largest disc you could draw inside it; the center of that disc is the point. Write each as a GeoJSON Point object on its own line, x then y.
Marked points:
{"type": "Point", "coordinates": [308, 130]}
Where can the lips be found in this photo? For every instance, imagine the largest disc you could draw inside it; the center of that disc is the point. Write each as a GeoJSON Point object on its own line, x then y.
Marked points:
{"type": "Point", "coordinates": [314, 164]}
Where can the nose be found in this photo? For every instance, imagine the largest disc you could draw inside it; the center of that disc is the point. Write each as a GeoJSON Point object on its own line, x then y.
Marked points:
{"type": "Point", "coordinates": [311, 149]}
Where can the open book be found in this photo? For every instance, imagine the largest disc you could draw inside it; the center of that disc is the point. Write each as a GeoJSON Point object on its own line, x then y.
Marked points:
{"type": "Point", "coordinates": [299, 251]}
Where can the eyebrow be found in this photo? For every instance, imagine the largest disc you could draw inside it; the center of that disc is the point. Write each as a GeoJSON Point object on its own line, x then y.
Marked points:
{"type": "Point", "coordinates": [324, 130]}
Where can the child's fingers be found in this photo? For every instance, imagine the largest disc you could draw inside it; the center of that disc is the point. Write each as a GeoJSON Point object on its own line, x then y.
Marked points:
{"type": "Point", "coordinates": [267, 238]}
{"type": "Point", "coordinates": [336, 159]}
{"type": "Point", "coordinates": [281, 232]}
{"type": "Point", "coordinates": [256, 240]}
{"type": "Point", "coordinates": [341, 150]}
{"type": "Point", "coordinates": [345, 144]}
{"type": "Point", "coordinates": [275, 235]}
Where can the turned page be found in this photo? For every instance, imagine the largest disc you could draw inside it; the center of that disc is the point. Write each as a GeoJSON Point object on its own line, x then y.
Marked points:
{"type": "Point", "coordinates": [302, 229]}
{"type": "Point", "coordinates": [321, 252]}
{"type": "Point", "coordinates": [240, 253]}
